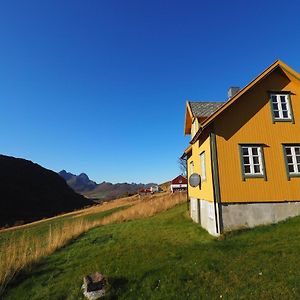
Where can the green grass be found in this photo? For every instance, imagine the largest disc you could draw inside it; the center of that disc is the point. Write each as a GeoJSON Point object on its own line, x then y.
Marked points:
{"type": "Point", "coordinates": [169, 257]}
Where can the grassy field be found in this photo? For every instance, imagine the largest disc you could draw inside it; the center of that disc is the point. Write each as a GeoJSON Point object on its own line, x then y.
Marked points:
{"type": "Point", "coordinates": [24, 246]}
{"type": "Point", "coordinates": [166, 256]}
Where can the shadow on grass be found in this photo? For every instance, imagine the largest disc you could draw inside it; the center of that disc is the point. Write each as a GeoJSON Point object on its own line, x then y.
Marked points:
{"type": "Point", "coordinates": [34, 270]}
{"type": "Point", "coordinates": [116, 285]}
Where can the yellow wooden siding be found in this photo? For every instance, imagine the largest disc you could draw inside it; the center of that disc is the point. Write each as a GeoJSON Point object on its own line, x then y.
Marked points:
{"type": "Point", "coordinates": [249, 120]}
{"type": "Point", "coordinates": [206, 191]}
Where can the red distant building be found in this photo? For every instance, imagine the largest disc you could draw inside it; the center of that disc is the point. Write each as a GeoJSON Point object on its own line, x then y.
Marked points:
{"type": "Point", "coordinates": [179, 184]}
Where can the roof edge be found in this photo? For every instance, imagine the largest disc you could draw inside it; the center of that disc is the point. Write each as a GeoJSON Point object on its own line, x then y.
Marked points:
{"type": "Point", "coordinates": [267, 71]}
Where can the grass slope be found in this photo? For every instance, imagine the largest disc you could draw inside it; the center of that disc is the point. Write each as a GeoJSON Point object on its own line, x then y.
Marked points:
{"type": "Point", "coordinates": [169, 257]}
{"type": "Point", "coordinates": [41, 229]}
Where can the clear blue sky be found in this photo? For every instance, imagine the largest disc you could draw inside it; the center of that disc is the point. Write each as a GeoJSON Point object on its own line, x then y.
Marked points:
{"type": "Point", "coordinates": [100, 86]}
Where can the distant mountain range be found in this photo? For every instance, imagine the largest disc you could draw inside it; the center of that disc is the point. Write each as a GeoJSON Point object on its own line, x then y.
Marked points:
{"type": "Point", "coordinates": [102, 191]}
{"type": "Point", "coordinates": [79, 183]}
{"type": "Point", "coordinates": [30, 192]}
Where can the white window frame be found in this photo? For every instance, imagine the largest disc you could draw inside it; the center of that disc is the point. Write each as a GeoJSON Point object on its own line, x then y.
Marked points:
{"type": "Point", "coordinates": [203, 166]}
{"type": "Point", "coordinates": [293, 161]}
{"type": "Point", "coordinates": [191, 167]}
{"type": "Point", "coordinates": [276, 101]}
{"type": "Point", "coordinates": [194, 129]}
{"type": "Point", "coordinates": [251, 156]}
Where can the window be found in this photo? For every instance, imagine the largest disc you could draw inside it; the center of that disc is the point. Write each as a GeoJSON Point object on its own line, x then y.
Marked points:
{"type": "Point", "coordinates": [203, 166]}
{"type": "Point", "coordinates": [252, 161]}
{"type": "Point", "coordinates": [281, 107]}
{"type": "Point", "coordinates": [191, 167]}
{"type": "Point", "coordinates": [292, 157]}
{"type": "Point", "coordinates": [194, 127]}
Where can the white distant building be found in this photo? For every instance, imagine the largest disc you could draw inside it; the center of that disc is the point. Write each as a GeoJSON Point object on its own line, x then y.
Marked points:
{"type": "Point", "coordinates": [154, 189]}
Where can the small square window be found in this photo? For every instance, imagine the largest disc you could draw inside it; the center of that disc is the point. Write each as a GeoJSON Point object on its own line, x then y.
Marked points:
{"type": "Point", "coordinates": [247, 169]}
{"type": "Point", "coordinates": [252, 161]}
{"type": "Point", "coordinates": [292, 157]}
{"type": "Point", "coordinates": [245, 151]}
{"type": "Point", "coordinates": [281, 107]}
{"type": "Point", "coordinates": [246, 161]}
{"type": "Point", "coordinates": [256, 169]}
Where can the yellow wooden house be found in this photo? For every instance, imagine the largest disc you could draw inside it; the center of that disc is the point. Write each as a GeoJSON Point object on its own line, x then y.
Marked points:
{"type": "Point", "coordinates": [246, 151]}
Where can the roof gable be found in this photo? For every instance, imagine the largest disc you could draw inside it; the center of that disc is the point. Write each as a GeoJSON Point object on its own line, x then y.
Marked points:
{"type": "Point", "coordinates": [204, 109]}
{"type": "Point", "coordinates": [179, 180]}
{"type": "Point", "coordinates": [200, 110]}
{"type": "Point", "coordinates": [289, 72]}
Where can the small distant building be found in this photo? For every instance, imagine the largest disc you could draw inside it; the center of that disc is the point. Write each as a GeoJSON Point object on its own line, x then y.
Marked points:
{"type": "Point", "coordinates": [178, 184]}
{"type": "Point", "coordinates": [154, 189]}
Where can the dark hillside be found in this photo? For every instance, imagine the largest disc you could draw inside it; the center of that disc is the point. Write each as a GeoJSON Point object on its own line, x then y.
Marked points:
{"type": "Point", "coordinates": [30, 192]}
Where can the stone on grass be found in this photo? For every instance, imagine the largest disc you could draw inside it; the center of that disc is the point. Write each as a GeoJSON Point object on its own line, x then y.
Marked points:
{"type": "Point", "coordinates": [94, 286]}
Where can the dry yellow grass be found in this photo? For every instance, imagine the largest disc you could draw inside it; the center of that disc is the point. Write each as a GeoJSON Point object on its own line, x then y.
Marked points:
{"type": "Point", "coordinates": [146, 208]}
{"type": "Point", "coordinates": [19, 253]}
{"type": "Point", "coordinates": [86, 211]}
{"type": "Point", "coordinates": [108, 205]}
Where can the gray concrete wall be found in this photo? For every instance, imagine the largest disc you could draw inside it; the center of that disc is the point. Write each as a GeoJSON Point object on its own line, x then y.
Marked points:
{"type": "Point", "coordinates": [194, 210]}
{"type": "Point", "coordinates": [203, 212]}
{"type": "Point", "coordinates": [238, 216]}
{"type": "Point", "coordinates": [243, 215]}
{"type": "Point", "coordinates": [208, 220]}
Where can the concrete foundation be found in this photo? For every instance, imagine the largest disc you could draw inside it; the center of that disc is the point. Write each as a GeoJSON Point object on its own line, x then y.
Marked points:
{"type": "Point", "coordinates": [203, 212]}
{"type": "Point", "coordinates": [240, 215]}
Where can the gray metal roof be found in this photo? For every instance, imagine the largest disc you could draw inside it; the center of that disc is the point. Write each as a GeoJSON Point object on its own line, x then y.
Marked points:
{"type": "Point", "coordinates": [204, 109]}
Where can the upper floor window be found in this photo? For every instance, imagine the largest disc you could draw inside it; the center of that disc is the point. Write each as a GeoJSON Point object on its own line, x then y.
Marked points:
{"type": "Point", "coordinates": [203, 166]}
{"type": "Point", "coordinates": [194, 127]}
{"type": "Point", "coordinates": [252, 161]}
{"type": "Point", "coordinates": [292, 157]}
{"type": "Point", "coordinates": [191, 167]}
{"type": "Point", "coordinates": [281, 107]}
